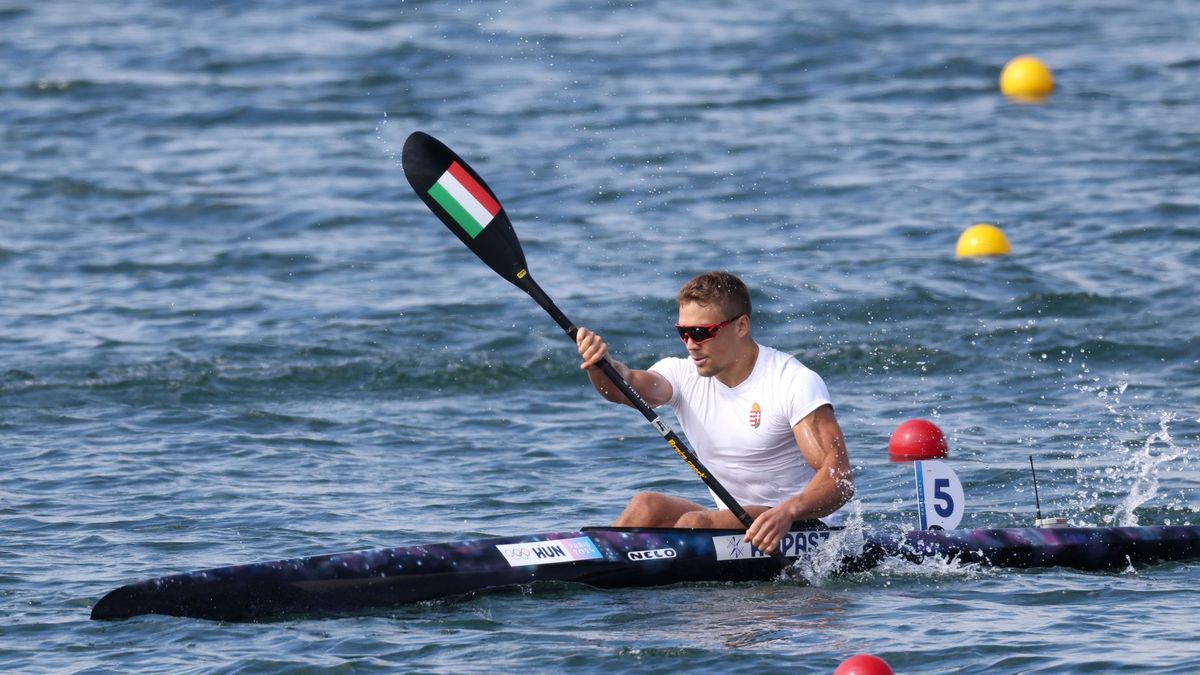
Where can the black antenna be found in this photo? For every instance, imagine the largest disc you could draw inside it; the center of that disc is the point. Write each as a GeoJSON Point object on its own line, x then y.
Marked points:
{"type": "Point", "coordinates": [1037, 502]}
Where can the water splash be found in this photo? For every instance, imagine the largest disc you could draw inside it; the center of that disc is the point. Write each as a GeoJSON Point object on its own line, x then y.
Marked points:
{"type": "Point", "coordinates": [1136, 454]}
{"type": "Point", "coordinates": [823, 563]}
{"type": "Point", "coordinates": [826, 563]}
{"type": "Point", "coordinates": [384, 136]}
{"type": "Point", "coordinates": [1144, 466]}
{"type": "Point", "coordinates": [936, 567]}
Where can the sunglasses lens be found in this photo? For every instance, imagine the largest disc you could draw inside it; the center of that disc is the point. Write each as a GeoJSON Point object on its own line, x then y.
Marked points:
{"type": "Point", "coordinates": [703, 333]}
{"type": "Point", "coordinates": [697, 333]}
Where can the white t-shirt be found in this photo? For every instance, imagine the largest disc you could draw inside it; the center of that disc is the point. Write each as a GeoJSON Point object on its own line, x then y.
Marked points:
{"type": "Point", "coordinates": [744, 434]}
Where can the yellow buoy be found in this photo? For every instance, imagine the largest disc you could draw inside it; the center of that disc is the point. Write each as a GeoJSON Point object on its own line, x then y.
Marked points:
{"type": "Point", "coordinates": [1026, 78]}
{"type": "Point", "coordinates": [982, 239]}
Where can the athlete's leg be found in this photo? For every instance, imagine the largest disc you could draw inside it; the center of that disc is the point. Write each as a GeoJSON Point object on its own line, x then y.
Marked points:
{"type": "Point", "coordinates": [654, 509]}
{"type": "Point", "coordinates": [712, 518]}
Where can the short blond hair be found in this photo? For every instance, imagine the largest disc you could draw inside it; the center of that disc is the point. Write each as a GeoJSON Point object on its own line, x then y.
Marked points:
{"type": "Point", "coordinates": [718, 288]}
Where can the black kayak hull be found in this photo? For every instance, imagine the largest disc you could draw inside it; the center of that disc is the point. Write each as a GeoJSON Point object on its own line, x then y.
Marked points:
{"type": "Point", "coordinates": [608, 557]}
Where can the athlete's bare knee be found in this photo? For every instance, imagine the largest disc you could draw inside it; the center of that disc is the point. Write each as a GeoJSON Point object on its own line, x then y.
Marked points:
{"type": "Point", "coordinates": [645, 509]}
{"type": "Point", "coordinates": [647, 501]}
{"type": "Point", "coordinates": [693, 520]}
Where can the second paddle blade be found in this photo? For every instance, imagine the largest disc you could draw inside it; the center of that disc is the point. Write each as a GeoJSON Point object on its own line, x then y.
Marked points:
{"type": "Point", "coordinates": [464, 203]}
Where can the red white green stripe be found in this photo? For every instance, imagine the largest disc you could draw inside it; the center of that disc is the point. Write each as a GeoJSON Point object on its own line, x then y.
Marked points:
{"type": "Point", "coordinates": [465, 200]}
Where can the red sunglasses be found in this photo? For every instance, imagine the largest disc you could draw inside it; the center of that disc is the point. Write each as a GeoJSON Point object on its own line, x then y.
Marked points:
{"type": "Point", "coordinates": [700, 334]}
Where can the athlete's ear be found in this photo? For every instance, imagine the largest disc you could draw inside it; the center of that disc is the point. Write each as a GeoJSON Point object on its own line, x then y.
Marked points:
{"type": "Point", "coordinates": [743, 325]}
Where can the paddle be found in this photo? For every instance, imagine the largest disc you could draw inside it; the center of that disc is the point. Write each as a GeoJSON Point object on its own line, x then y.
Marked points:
{"type": "Point", "coordinates": [469, 208]}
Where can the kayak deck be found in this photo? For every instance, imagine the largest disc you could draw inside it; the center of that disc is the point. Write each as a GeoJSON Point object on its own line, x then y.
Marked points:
{"type": "Point", "coordinates": [607, 557]}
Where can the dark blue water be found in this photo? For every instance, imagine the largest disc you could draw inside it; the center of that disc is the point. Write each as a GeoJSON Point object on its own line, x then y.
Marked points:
{"type": "Point", "coordinates": [230, 332]}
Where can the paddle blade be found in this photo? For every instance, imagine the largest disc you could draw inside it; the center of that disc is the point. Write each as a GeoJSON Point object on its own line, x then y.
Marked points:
{"type": "Point", "coordinates": [464, 203]}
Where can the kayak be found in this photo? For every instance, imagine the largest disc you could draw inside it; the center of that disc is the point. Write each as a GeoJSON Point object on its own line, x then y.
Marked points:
{"type": "Point", "coordinates": [611, 557]}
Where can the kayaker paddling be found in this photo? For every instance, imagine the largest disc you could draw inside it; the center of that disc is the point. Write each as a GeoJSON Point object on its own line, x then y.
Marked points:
{"type": "Point", "coordinates": [761, 421]}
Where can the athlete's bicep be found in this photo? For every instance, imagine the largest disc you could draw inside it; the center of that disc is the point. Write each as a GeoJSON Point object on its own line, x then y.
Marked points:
{"type": "Point", "coordinates": [820, 439]}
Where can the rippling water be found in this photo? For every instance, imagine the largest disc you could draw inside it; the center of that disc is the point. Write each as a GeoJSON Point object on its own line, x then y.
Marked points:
{"type": "Point", "coordinates": [231, 332]}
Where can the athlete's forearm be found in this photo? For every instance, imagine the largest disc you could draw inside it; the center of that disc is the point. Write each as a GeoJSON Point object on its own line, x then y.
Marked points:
{"type": "Point", "coordinates": [641, 381]}
{"type": "Point", "coordinates": [604, 385]}
{"type": "Point", "coordinates": [824, 494]}
{"type": "Point", "coordinates": [827, 492]}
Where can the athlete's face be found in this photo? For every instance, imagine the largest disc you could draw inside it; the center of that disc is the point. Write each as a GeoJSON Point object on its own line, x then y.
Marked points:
{"type": "Point", "coordinates": [713, 354]}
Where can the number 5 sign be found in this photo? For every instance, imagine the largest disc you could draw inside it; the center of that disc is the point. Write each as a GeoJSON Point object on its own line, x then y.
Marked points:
{"type": "Point", "coordinates": [939, 496]}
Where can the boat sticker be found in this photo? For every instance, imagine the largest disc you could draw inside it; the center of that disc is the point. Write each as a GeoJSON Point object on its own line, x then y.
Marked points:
{"type": "Point", "coordinates": [549, 552]}
{"type": "Point", "coordinates": [731, 546]}
{"type": "Point", "coordinates": [652, 554]}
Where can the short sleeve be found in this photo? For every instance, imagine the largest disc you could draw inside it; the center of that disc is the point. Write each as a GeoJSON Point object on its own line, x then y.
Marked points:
{"type": "Point", "coordinates": [671, 368]}
{"type": "Point", "coordinates": [806, 392]}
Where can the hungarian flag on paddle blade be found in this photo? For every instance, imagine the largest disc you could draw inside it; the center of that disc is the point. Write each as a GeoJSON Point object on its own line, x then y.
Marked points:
{"type": "Point", "coordinates": [465, 200]}
{"type": "Point", "coordinates": [465, 204]}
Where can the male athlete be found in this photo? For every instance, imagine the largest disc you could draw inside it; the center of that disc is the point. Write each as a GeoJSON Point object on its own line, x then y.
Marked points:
{"type": "Point", "coordinates": [759, 420]}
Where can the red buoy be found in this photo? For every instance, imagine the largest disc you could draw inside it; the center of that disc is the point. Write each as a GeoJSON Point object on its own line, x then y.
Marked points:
{"type": "Point", "coordinates": [917, 439]}
{"type": "Point", "coordinates": [864, 664]}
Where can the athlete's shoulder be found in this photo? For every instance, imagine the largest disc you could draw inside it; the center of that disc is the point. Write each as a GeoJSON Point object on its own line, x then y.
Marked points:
{"type": "Point", "coordinates": [800, 387]}
{"type": "Point", "coordinates": [789, 373]}
{"type": "Point", "coordinates": [673, 366]}
{"type": "Point", "coordinates": [782, 360]}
